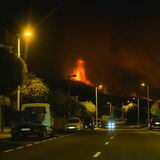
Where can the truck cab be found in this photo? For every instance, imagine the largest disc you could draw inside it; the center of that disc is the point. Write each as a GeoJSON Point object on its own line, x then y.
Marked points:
{"type": "Point", "coordinates": [36, 120]}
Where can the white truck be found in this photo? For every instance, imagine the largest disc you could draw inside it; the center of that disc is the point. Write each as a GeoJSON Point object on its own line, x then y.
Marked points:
{"type": "Point", "coordinates": [36, 119]}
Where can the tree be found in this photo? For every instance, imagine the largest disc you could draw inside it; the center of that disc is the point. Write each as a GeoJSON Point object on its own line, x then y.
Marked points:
{"type": "Point", "coordinates": [89, 106]}
{"type": "Point", "coordinates": [155, 109]}
{"type": "Point", "coordinates": [12, 74]}
{"type": "Point", "coordinates": [89, 111]}
{"type": "Point", "coordinates": [128, 107]}
{"type": "Point", "coordinates": [64, 105]}
{"type": "Point", "coordinates": [12, 70]}
{"type": "Point", "coordinates": [131, 111]}
{"type": "Point", "coordinates": [34, 89]}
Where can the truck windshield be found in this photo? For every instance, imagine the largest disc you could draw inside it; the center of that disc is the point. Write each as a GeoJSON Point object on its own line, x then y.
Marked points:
{"type": "Point", "coordinates": [31, 114]}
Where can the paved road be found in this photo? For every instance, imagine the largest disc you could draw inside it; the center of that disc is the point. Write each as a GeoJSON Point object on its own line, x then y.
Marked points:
{"type": "Point", "coordinates": [121, 144]}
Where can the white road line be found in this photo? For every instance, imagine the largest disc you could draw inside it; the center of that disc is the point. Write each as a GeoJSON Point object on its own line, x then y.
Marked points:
{"type": "Point", "coordinates": [96, 154]}
{"type": "Point", "coordinates": [112, 137]}
{"type": "Point", "coordinates": [37, 142]}
{"type": "Point", "coordinates": [106, 143]}
{"type": "Point", "coordinates": [155, 132]}
{"type": "Point", "coordinates": [44, 141]}
{"type": "Point", "coordinates": [20, 147]}
{"type": "Point", "coordinates": [10, 150]}
{"type": "Point", "coordinates": [50, 139]}
{"type": "Point", "coordinates": [28, 145]}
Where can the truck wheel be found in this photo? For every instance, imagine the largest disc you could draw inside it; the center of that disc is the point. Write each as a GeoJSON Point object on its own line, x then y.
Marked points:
{"type": "Point", "coordinates": [14, 137]}
{"type": "Point", "coordinates": [43, 134]}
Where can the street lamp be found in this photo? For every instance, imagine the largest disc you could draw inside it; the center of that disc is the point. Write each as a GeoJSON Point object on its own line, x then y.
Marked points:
{"type": "Point", "coordinates": [96, 98]}
{"type": "Point", "coordinates": [143, 85]}
{"type": "Point", "coordinates": [110, 108]}
{"type": "Point", "coordinates": [69, 77]}
{"type": "Point", "coordinates": [138, 115]}
{"type": "Point", "coordinates": [26, 34]}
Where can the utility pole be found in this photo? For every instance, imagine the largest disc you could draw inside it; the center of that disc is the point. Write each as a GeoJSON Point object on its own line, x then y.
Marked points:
{"type": "Point", "coordinates": [138, 111]}
{"type": "Point", "coordinates": [148, 103]}
{"type": "Point", "coordinates": [19, 88]}
{"type": "Point", "coordinates": [122, 111]}
{"type": "Point", "coordinates": [110, 106]}
{"type": "Point", "coordinates": [96, 94]}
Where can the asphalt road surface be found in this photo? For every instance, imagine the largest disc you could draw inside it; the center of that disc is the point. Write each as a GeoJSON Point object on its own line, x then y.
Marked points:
{"type": "Point", "coordinates": [119, 144]}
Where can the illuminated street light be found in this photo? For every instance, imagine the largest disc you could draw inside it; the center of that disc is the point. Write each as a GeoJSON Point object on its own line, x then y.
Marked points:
{"type": "Point", "coordinates": [110, 109]}
{"type": "Point", "coordinates": [143, 85]}
{"type": "Point", "coordinates": [69, 78]}
{"type": "Point", "coordinates": [96, 96]}
{"type": "Point", "coordinates": [26, 34]}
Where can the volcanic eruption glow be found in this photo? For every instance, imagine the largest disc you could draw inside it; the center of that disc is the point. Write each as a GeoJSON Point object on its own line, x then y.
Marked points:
{"type": "Point", "coordinates": [80, 72]}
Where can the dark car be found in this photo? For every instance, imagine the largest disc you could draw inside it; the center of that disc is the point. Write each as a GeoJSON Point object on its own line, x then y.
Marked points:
{"type": "Point", "coordinates": [26, 130]}
{"type": "Point", "coordinates": [154, 123]}
{"type": "Point", "coordinates": [28, 126]}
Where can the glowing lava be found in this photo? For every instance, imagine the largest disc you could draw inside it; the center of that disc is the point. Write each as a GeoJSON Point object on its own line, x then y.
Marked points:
{"type": "Point", "coordinates": [79, 71]}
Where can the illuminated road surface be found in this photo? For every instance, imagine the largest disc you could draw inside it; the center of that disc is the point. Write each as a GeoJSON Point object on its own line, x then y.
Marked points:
{"type": "Point", "coordinates": [121, 144]}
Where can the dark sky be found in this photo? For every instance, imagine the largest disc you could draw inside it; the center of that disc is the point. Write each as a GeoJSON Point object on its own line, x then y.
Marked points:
{"type": "Point", "coordinates": [118, 40]}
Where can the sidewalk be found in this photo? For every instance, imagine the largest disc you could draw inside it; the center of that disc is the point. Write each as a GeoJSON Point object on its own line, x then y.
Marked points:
{"type": "Point", "coordinates": [6, 133]}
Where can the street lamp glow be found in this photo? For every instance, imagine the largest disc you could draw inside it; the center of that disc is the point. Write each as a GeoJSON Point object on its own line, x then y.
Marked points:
{"type": "Point", "coordinates": [100, 86]}
{"type": "Point", "coordinates": [27, 34]}
{"type": "Point", "coordinates": [96, 98]}
{"type": "Point", "coordinates": [143, 84]}
{"type": "Point", "coordinates": [148, 96]}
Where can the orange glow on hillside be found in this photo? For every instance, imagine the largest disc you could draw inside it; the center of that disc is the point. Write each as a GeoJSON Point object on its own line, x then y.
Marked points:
{"type": "Point", "coordinates": [80, 72]}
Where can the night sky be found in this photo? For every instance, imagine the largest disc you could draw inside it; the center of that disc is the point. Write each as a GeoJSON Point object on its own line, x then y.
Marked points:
{"type": "Point", "coordinates": [119, 41]}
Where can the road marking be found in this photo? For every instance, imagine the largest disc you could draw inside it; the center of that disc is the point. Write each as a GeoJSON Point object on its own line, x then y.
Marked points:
{"type": "Point", "coordinates": [155, 132]}
{"type": "Point", "coordinates": [50, 139]}
{"type": "Point", "coordinates": [37, 142]}
{"type": "Point", "coordinates": [43, 141]}
{"type": "Point", "coordinates": [20, 147]}
{"type": "Point", "coordinates": [10, 150]}
{"type": "Point", "coordinates": [112, 137]}
{"type": "Point", "coordinates": [106, 143]}
{"type": "Point", "coordinates": [28, 145]}
{"type": "Point", "coordinates": [96, 154]}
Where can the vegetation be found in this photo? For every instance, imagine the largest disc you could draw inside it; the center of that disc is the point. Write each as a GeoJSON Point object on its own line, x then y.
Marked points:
{"type": "Point", "coordinates": [34, 89]}
{"type": "Point", "coordinates": [65, 105]}
{"type": "Point", "coordinates": [12, 70]}
{"type": "Point", "coordinates": [12, 74]}
{"type": "Point", "coordinates": [155, 109]}
{"type": "Point", "coordinates": [130, 111]}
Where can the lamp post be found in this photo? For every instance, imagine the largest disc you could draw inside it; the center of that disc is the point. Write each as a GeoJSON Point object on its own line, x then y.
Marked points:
{"type": "Point", "coordinates": [26, 34]}
{"type": "Point", "coordinates": [18, 89]}
{"type": "Point", "coordinates": [138, 111]}
{"type": "Point", "coordinates": [110, 108]}
{"type": "Point", "coordinates": [148, 95]}
{"type": "Point", "coordinates": [96, 98]}
{"type": "Point", "coordinates": [69, 77]}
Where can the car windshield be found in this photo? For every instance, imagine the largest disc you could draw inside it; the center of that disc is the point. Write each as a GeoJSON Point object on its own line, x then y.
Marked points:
{"type": "Point", "coordinates": [73, 121]}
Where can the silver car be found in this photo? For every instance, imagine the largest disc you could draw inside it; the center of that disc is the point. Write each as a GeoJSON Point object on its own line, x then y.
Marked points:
{"type": "Point", "coordinates": [74, 124]}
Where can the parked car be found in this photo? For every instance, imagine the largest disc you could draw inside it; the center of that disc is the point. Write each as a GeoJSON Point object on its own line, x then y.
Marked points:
{"type": "Point", "coordinates": [74, 124]}
{"type": "Point", "coordinates": [154, 123]}
{"type": "Point", "coordinates": [35, 119]}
